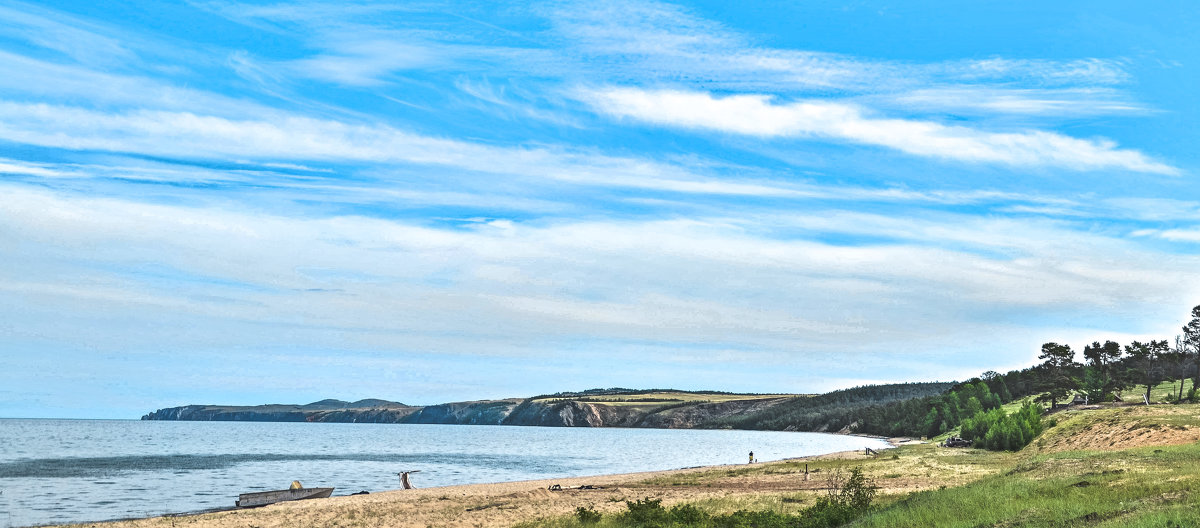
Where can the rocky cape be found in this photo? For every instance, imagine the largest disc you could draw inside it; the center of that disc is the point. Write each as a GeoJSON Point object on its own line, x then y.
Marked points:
{"type": "Point", "coordinates": [689, 410]}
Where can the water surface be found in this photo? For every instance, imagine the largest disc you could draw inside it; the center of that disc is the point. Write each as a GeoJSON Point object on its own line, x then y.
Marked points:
{"type": "Point", "coordinates": [59, 471]}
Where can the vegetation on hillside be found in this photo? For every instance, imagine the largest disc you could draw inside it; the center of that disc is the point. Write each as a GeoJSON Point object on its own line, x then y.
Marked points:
{"type": "Point", "coordinates": [1127, 467]}
{"type": "Point", "coordinates": [924, 409]}
{"type": "Point", "coordinates": [1001, 431]}
{"type": "Point", "coordinates": [834, 410]}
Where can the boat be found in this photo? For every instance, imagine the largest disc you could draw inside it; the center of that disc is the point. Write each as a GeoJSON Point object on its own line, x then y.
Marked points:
{"type": "Point", "coordinates": [296, 492]}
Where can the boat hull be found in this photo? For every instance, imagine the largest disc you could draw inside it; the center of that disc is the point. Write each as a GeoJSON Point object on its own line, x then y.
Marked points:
{"type": "Point", "coordinates": [263, 498]}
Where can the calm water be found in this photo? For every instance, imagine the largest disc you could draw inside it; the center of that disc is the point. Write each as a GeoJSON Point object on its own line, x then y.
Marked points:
{"type": "Point", "coordinates": [58, 471]}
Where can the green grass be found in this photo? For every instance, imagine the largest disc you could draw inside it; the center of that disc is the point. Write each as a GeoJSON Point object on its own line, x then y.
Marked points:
{"type": "Point", "coordinates": [1160, 393]}
{"type": "Point", "coordinates": [1055, 484]}
{"type": "Point", "coordinates": [1142, 487]}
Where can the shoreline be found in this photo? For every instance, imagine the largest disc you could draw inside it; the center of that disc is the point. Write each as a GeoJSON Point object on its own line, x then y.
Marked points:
{"type": "Point", "coordinates": [494, 503]}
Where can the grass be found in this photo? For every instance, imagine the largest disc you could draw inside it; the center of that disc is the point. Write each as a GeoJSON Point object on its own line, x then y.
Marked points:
{"type": "Point", "coordinates": [1052, 483]}
{"type": "Point", "coordinates": [1141, 487]}
{"type": "Point", "coordinates": [1160, 393]}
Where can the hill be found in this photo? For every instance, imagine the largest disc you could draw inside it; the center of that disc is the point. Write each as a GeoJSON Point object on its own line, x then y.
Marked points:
{"type": "Point", "coordinates": [615, 407]}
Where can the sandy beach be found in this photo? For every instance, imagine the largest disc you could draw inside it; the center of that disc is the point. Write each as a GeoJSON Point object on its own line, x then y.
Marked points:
{"type": "Point", "coordinates": [780, 484]}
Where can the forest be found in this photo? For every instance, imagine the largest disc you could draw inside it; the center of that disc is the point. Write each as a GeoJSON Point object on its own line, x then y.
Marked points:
{"type": "Point", "coordinates": [1110, 372]}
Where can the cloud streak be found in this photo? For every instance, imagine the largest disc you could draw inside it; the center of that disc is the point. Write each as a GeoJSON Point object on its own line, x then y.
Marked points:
{"type": "Point", "coordinates": [519, 288]}
{"type": "Point", "coordinates": [758, 115]}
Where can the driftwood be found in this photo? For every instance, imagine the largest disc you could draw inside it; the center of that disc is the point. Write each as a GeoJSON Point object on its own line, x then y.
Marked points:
{"type": "Point", "coordinates": [558, 487]}
{"type": "Point", "coordinates": [404, 478]}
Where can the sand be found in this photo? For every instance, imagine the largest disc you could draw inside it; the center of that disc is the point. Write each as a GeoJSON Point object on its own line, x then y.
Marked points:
{"type": "Point", "coordinates": [509, 503]}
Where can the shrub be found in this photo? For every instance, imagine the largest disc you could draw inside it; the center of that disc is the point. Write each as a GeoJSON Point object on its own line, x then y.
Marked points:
{"type": "Point", "coordinates": [998, 431]}
{"type": "Point", "coordinates": [850, 497]}
{"type": "Point", "coordinates": [645, 512]}
{"type": "Point", "coordinates": [688, 515]}
{"type": "Point", "coordinates": [587, 515]}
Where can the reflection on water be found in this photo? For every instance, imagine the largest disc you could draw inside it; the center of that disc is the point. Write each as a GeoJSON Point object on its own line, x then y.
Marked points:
{"type": "Point", "coordinates": [58, 471]}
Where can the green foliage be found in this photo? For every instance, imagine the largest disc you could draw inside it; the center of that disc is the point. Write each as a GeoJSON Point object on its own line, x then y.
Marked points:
{"type": "Point", "coordinates": [645, 512]}
{"type": "Point", "coordinates": [587, 515]}
{"type": "Point", "coordinates": [870, 406]}
{"type": "Point", "coordinates": [1057, 373]}
{"type": "Point", "coordinates": [850, 498]}
{"type": "Point", "coordinates": [998, 431]}
{"type": "Point", "coordinates": [893, 410]}
{"type": "Point", "coordinates": [856, 493]}
{"type": "Point", "coordinates": [1140, 488]}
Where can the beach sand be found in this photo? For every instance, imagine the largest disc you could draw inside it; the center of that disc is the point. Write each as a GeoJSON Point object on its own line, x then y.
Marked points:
{"type": "Point", "coordinates": [505, 504]}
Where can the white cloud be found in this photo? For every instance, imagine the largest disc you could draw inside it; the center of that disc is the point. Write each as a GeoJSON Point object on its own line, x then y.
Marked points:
{"type": "Point", "coordinates": [363, 63]}
{"type": "Point", "coordinates": [757, 115]}
{"type": "Point", "coordinates": [515, 286]}
{"type": "Point", "coordinates": [51, 81]}
{"type": "Point", "coordinates": [664, 43]}
{"type": "Point", "coordinates": [1181, 235]}
{"type": "Point", "coordinates": [31, 169]}
{"type": "Point", "coordinates": [294, 138]}
{"type": "Point", "coordinates": [989, 100]}
{"type": "Point", "coordinates": [70, 36]}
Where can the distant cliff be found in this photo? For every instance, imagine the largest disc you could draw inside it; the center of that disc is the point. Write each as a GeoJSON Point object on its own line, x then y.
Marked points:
{"type": "Point", "coordinates": [662, 409]}
{"type": "Point", "coordinates": [655, 408]}
{"type": "Point", "coordinates": [365, 411]}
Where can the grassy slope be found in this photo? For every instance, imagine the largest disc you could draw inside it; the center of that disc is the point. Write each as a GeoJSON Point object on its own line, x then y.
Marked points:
{"type": "Point", "coordinates": [1120, 478]}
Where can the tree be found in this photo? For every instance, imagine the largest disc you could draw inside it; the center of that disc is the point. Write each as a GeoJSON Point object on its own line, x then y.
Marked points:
{"type": "Point", "coordinates": [1056, 377]}
{"type": "Point", "coordinates": [1178, 358]}
{"type": "Point", "coordinates": [1102, 359]}
{"type": "Point", "coordinates": [1191, 342]}
{"type": "Point", "coordinates": [1147, 363]}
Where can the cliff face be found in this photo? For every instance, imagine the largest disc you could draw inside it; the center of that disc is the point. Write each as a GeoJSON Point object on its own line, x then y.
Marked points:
{"type": "Point", "coordinates": [544, 412]}
{"type": "Point", "coordinates": [225, 414]}
{"type": "Point", "coordinates": [491, 412]}
{"type": "Point", "coordinates": [692, 416]}
{"type": "Point", "coordinates": [323, 411]}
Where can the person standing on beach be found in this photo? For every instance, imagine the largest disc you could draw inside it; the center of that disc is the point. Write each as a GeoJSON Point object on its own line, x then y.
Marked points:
{"type": "Point", "coordinates": [751, 458]}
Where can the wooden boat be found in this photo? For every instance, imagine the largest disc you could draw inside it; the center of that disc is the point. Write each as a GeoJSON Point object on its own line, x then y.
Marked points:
{"type": "Point", "coordinates": [263, 498]}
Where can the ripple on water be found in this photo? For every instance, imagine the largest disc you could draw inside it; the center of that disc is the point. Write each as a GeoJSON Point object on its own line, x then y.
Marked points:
{"type": "Point", "coordinates": [132, 468]}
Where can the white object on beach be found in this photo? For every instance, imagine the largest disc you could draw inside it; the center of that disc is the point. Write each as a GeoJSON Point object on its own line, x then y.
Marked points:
{"type": "Point", "coordinates": [404, 478]}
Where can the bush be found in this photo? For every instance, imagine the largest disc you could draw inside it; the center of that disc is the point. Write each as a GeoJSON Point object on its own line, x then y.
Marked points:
{"type": "Point", "coordinates": [998, 431]}
{"type": "Point", "coordinates": [688, 515]}
{"type": "Point", "coordinates": [587, 515]}
{"type": "Point", "coordinates": [645, 512]}
{"type": "Point", "coordinates": [849, 497]}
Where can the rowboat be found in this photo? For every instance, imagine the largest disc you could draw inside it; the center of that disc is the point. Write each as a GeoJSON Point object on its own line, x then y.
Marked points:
{"type": "Point", "coordinates": [263, 498]}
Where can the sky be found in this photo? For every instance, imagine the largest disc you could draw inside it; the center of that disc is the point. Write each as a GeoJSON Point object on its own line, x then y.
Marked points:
{"type": "Point", "coordinates": [216, 202]}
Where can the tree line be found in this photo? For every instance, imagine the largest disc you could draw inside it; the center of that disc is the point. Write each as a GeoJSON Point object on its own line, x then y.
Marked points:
{"type": "Point", "coordinates": [1109, 369]}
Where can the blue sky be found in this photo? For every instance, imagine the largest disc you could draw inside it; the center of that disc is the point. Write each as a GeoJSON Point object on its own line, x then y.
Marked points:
{"type": "Point", "coordinates": [244, 203]}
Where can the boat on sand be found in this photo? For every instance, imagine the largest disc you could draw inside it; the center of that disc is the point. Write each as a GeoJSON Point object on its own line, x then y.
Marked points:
{"type": "Point", "coordinates": [296, 492]}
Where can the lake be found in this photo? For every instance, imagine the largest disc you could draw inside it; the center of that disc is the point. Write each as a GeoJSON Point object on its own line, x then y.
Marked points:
{"type": "Point", "coordinates": [59, 471]}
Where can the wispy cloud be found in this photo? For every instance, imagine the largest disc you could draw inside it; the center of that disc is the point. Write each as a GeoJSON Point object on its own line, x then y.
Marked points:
{"type": "Point", "coordinates": [538, 283]}
{"type": "Point", "coordinates": [985, 100]}
{"type": "Point", "coordinates": [416, 185]}
{"type": "Point", "coordinates": [1180, 235]}
{"type": "Point", "coordinates": [664, 42]}
{"type": "Point", "coordinates": [758, 115]}
{"type": "Point", "coordinates": [299, 139]}
{"type": "Point", "coordinates": [70, 36]}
